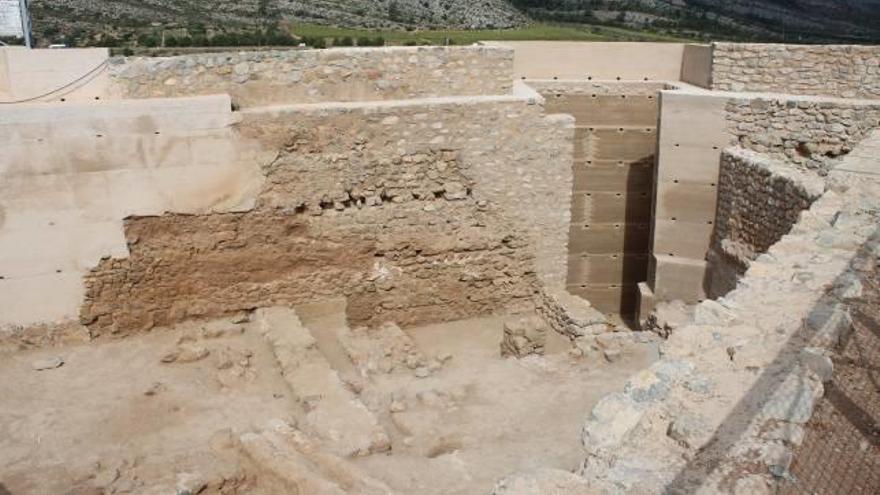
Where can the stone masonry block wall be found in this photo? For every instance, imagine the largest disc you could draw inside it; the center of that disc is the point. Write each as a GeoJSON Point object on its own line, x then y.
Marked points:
{"type": "Point", "coordinates": [414, 212]}
{"type": "Point", "coordinates": [307, 76]}
{"type": "Point", "coordinates": [759, 200]}
{"type": "Point", "coordinates": [811, 133]}
{"type": "Point", "coordinates": [849, 71]}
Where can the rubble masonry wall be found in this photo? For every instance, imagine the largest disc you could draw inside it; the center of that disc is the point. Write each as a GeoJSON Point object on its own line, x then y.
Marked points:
{"type": "Point", "coordinates": [307, 76]}
{"type": "Point", "coordinates": [759, 200]}
{"type": "Point", "coordinates": [807, 132]}
{"type": "Point", "coordinates": [416, 212]}
{"type": "Point", "coordinates": [849, 71]}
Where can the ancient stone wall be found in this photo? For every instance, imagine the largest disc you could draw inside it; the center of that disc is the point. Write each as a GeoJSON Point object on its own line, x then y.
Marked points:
{"type": "Point", "coordinates": [810, 133]}
{"type": "Point", "coordinates": [759, 200]}
{"type": "Point", "coordinates": [304, 76]}
{"type": "Point", "coordinates": [849, 71]}
{"type": "Point", "coordinates": [414, 212]}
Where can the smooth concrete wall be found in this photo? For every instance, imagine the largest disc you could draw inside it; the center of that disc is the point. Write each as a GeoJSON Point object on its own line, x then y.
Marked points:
{"type": "Point", "coordinates": [595, 60]}
{"type": "Point", "coordinates": [81, 72]}
{"type": "Point", "coordinates": [615, 144]}
{"type": "Point", "coordinates": [71, 172]}
{"type": "Point", "coordinates": [693, 131]}
{"type": "Point", "coordinates": [4, 76]}
{"type": "Point", "coordinates": [696, 65]}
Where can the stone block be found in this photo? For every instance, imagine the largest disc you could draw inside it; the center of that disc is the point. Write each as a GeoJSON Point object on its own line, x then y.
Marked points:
{"type": "Point", "coordinates": [523, 335]}
{"type": "Point", "coordinates": [679, 278]}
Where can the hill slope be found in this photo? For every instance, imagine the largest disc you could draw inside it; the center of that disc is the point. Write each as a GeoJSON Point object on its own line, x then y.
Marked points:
{"type": "Point", "coordinates": [95, 21]}
{"type": "Point", "coordinates": [767, 20]}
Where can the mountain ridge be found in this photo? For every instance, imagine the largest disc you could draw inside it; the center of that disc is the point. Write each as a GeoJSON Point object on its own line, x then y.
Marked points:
{"type": "Point", "coordinates": [123, 22]}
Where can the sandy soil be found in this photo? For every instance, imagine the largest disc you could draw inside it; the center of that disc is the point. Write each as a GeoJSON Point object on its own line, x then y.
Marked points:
{"type": "Point", "coordinates": [154, 413]}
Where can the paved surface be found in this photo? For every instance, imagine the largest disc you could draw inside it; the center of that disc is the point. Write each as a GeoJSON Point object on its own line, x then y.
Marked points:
{"type": "Point", "coordinates": [841, 449]}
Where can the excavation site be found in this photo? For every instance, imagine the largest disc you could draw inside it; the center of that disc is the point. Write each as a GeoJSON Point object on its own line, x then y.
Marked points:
{"type": "Point", "coordinates": [507, 268]}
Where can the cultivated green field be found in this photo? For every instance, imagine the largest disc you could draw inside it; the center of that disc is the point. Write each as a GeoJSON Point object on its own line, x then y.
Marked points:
{"type": "Point", "coordinates": [555, 32]}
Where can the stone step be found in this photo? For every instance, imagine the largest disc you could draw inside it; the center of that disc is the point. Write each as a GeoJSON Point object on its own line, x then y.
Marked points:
{"type": "Point", "coordinates": [333, 413]}
{"type": "Point", "coordinates": [296, 463]}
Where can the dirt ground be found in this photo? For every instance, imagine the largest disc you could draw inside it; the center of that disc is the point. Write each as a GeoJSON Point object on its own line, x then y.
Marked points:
{"type": "Point", "coordinates": [165, 412]}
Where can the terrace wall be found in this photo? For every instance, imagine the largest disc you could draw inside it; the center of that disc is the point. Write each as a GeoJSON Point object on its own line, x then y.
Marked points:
{"type": "Point", "coordinates": [849, 71]}
{"type": "Point", "coordinates": [308, 76]}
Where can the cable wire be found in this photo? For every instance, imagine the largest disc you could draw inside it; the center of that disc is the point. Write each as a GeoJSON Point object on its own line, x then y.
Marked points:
{"type": "Point", "coordinates": [62, 88]}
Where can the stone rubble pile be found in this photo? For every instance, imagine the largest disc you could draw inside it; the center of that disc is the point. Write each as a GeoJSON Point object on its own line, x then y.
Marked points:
{"type": "Point", "coordinates": [523, 335]}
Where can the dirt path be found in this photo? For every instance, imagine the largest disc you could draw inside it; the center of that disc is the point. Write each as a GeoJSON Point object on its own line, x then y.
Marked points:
{"type": "Point", "coordinates": [168, 411]}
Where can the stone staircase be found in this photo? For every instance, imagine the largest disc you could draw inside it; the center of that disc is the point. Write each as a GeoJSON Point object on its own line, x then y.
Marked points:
{"type": "Point", "coordinates": [331, 411]}
{"type": "Point", "coordinates": [296, 464]}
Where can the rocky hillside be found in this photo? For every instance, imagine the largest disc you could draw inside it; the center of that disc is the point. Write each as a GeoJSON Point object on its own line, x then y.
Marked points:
{"type": "Point", "coordinates": [767, 20]}
{"type": "Point", "coordinates": [54, 19]}
{"type": "Point", "coordinates": [123, 21]}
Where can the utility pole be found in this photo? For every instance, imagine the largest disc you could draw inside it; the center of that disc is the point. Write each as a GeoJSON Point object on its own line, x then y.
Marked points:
{"type": "Point", "coordinates": [26, 23]}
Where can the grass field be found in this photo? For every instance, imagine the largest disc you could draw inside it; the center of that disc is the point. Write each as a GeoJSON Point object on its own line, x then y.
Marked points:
{"type": "Point", "coordinates": [556, 32]}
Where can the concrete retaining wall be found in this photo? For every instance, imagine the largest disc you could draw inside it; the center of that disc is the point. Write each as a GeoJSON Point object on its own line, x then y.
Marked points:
{"type": "Point", "coordinates": [71, 172]}
{"type": "Point", "coordinates": [595, 60]}
{"type": "Point", "coordinates": [849, 71]}
{"type": "Point", "coordinates": [4, 77]}
{"type": "Point", "coordinates": [696, 65]}
{"type": "Point", "coordinates": [306, 76]}
{"type": "Point", "coordinates": [77, 74]}
{"type": "Point", "coordinates": [692, 134]}
{"type": "Point", "coordinates": [615, 147]}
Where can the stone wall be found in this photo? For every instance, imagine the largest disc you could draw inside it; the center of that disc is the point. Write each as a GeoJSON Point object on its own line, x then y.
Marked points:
{"type": "Point", "coordinates": [415, 212]}
{"type": "Point", "coordinates": [759, 200]}
{"type": "Point", "coordinates": [304, 76]}
{"type": "Point", "coordinates": [381, 257]}
{"type": "Point", "coordinates": [849, 71]}
{"type": "Point", "coordinates": [809, 132]}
